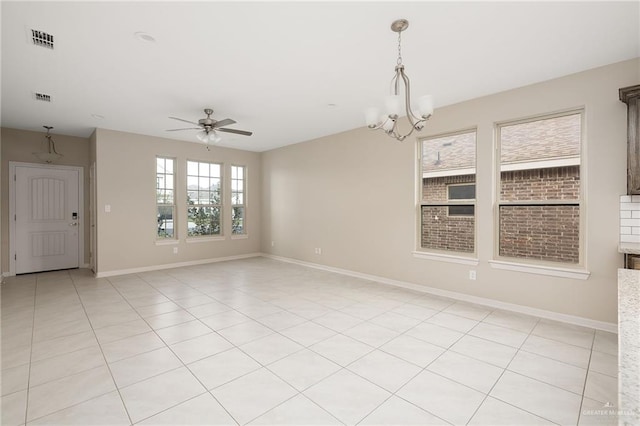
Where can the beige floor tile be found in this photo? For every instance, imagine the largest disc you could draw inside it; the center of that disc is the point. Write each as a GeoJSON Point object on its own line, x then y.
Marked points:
{"type": "Point", "coordinates": [387, 371]}
{"type": "Point", "coordinates": [68, 391]}
{"type": "Point", "coordinates": [152, 396]}
{"type": "Point", "coordinates": [308, 333]}
{"type": "Point", "coordinates": [303, 369]}
{"type": "Point", "coordinates": [252, 395]}
{"type": "Point", "coordinates": [415, 351]}
{"type": "Point", "coordinates": [347, 396]}
{"type": "Point", "coordinates": [130, 346]}
{"type": "Point", "coordinates": [296, 411]}
{"type": "Point", "coordinates": [224, 367]}
{"type": "Point", "coordinates": [442, 397]}
{"type": "Point", "coordinates": [181, 332]}
{"type": "Point", "coordinates": [140, 367]}
{"type": "Point", "coordinates": [371, 334]}
{"type": "Point", "coordinates": [271, 348]}
{"type": "Point", "coordinates": [65, 365]}
{"type": "Point", "coordinates": [103, 410]}
{"type": "Point", "coordinates": [397, 411]}
{"type": "Point", "coordinates": [471, 372]}
{"type": "Point", "coordinates": [547, 370]}
{"type": "Point", "coordinates": [201, 410]}
{"type": "Point", "coordinates": [200, 347]}
{"type": "Point", "coordinates": [494, 412]}
{"type": "Point", "coordinates": [341, 349]}
{"type": "Point", "coordinates": [546, 401]}
{"type": "Point", "coordinates": [13, 408]}
{"type": "Point", "coordinates": [14, 379]}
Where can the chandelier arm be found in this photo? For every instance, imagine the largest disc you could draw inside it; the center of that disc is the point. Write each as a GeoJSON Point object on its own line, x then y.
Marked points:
{"type": "Point", "coordinates": [413, 119]}
{"type": "Point", "coordinates": [52, 145]}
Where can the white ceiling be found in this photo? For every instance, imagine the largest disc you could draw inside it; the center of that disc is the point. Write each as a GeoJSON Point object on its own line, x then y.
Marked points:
{"type": "Point", "coordinates": [288, 71]}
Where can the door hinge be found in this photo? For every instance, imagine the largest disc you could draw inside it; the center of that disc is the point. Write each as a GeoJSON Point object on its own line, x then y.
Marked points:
{"type": "Point", "coordinates": [14, 178]}
{"type": "Point", "coordinates": [15, 257]}
{"type": "Point", "coordinates": [15, 217]}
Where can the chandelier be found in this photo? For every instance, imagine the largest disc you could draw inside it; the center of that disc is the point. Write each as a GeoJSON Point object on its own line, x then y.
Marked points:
{"type": "Point", "coordinates": [51, 154]}
{"type": "Point", "coordinates": [389, 121]}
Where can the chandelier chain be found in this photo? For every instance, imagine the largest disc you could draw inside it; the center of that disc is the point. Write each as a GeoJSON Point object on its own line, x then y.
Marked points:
{"type": "Point", "coordinates": [399, 62]}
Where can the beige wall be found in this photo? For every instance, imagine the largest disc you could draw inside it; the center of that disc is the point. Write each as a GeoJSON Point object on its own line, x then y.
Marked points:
{"type": "Point", "coordinates": [353, 195]}
{"type": "Point", "coordinates": [126, 237]}
{"type": "Point", "coordinates": [19, 145]}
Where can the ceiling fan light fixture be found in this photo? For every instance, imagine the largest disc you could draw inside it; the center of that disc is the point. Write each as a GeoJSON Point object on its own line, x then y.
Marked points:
{"type": "Point", "coordinates": [208, 136]}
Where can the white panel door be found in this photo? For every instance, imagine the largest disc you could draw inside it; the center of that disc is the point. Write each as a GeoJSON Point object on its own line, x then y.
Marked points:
{"type": "Point", "coordinates": [47, 220]}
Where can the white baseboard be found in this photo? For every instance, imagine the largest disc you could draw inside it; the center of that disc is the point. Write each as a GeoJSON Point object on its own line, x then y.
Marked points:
{"type": "Point", "coordinates": [114, 273]}
{"type": "Point", "coordinates": [555, 316]}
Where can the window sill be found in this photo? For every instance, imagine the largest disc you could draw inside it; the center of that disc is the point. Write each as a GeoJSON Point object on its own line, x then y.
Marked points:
{"type": "Point", "coordinates": [239, 237]}
{"type": "Point", "coordinates": [204, 239]}
{"type": "Point", "coordinates": [441, 257]}
{"type": "Point", "coordinates": [580, 274]}
{"type": "Point", "coordinates": [167, 242]}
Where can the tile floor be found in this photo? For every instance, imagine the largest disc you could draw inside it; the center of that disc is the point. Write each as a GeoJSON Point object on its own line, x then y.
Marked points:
{"type": "Point", "coordinates": [263, 342]}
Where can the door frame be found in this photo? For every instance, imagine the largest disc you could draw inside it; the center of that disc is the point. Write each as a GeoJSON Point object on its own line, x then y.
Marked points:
{"type": "Point", "coordinates": [12, 209]}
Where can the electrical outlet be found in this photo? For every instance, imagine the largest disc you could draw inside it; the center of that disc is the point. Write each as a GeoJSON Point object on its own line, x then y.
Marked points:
{"type": "Point", "coordinates": [175, 250]}
{"type": "Point", "coordinates": [472, 274]}
{"type": "Point", "coordinates": [273, 243]}
{"type": "Point", "coordinates": [317, 250]}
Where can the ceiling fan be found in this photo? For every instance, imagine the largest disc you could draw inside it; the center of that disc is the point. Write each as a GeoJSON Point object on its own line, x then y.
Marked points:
{"type": "Point", "coordinates": [209, 127]}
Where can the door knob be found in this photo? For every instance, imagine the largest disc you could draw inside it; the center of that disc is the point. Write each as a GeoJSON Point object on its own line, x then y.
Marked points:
{"type": "Point", "coordinates": [73, 224]}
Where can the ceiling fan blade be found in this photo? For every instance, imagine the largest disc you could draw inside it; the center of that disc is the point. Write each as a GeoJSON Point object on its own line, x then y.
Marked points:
{"type": "Point", "coordinates": [186, 121]}
{"type": "Point", "coordinates": [188, 128]}
{"type": "Point", "coordinates": [238, 132]}
{"type": "Point", "coordinates": [225, 122]}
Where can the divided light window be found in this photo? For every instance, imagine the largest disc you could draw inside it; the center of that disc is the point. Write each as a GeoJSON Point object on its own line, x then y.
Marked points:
{"type": "Point", "coordinates": [238, 200]}
{"type": "Point", "coordinates": [204, 198]}
{"type": "Point", "coordinates": [539, 199]}
{"type": "Point", "coordinates": [448, 192]}
{"type": "Point", "coordinates": [165, 197]}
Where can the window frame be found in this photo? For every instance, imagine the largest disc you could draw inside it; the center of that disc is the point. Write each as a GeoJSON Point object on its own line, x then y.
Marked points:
{"type": "Point", "coordinates": [173, 205]}
{"type": "Point", "coordinates": [220, 206]}
{"type": "Point", "coordinates": [453, 256]}
{"type": "Point", "coordinates": [507, 262]}
{"type": "Point", "coordinates": [244, 200]}
{"type": "Point", "coordinates": [461, 201]}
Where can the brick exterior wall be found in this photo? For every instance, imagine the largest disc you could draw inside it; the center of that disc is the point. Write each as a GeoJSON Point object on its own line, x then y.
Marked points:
{"type": "Point", "coordinates": [548, 233]}
{"type": "Point", "coordinates": [442, 232]}
{"type": "Point", "coordinates": [557, 183]}
{"type": "Point", "coordinates": [439, 230]}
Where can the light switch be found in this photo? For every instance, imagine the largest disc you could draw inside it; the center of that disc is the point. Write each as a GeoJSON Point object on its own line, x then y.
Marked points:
{"type": "Point", "coordinates": [107, 208]}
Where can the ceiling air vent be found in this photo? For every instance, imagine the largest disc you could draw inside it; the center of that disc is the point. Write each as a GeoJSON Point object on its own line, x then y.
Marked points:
{"type": "Point", "coordinates": [40, 38]}
{"type": "Point", "coordinates": [42, 97]}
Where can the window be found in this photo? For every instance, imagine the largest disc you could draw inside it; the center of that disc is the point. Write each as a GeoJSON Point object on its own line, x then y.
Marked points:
{"type": "Point", "coordinates": [237, 200]}
{"type": "Point", "coordinates": [448, 192]}
{"type": "Point", "coordinates": [464, 192]}
{"type": "Point", "coordinates": [539, 189]}
{"type": "Point", "coordinates": [165, 197]}
{"type": "Point", "coordinates": [204, 198]}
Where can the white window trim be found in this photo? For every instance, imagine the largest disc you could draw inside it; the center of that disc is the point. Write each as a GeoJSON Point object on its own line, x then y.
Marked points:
{"type": "Point", "coordinates": [167, 242]}
{"type": "Point", "coordinates": [442, 257]}
{"type": "Point", "coordinates": [205, 238]}
{"type": "Point", "coordinates": [420, 175]}
{"type": "Point", "coordinates": [554, 271]}
{"type": "Point", "coordinates": [174, 238]}
{"type": "Point", "coordinates": [535, 266]}
{"type": "Point", "coordinates": [245, 233]}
